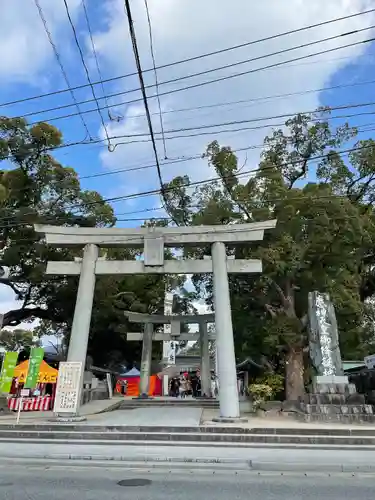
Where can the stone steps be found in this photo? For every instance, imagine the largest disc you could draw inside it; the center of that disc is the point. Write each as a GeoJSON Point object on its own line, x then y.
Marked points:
{"type": "Point", "coordinates": [335, 402]}
{"type": "Point", "coordinates": [130, 404]}
{"type": "Point", "coordinates": [340, 409]}
{"type": "Point", "coordinates": [123, 436]}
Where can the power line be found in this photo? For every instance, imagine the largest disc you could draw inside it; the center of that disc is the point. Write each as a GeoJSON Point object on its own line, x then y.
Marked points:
{"type": "Point", "coordinates": [144, 96]}
{"type": "Point", "coordinates": [214, 179]}
{"type": "Point", "coordinates": [211, 70]}
{"type": "Point", "coordinates": [135, 141]}
{"type": "Point", "coordinates": [83, 3]}
{"type": "Point", "coordinates": [180, 136]}
{"type": "Point", "coordinates": [193, 157]}
{"type": "Point", "coordinates": [200, 84]}
{"type": "Point", "coordinates": [59, 62]}
{"type": "Point", "coordinates": [194, 58]}
{"type": "Point", "coordinates": [86, 71]}
{"type": "Point", "coordinates": [214, 125]}
{"type": "Point", "coordinates": [156, 77]}
{"type": "Point", "coordinates": [250, 120]}
{"type": "Point", "coordinates": [211, 180]}
{"type": "Point", "coordinates": [261, 98]}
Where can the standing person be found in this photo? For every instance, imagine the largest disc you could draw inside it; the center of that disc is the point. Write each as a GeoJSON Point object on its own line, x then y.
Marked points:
{"type": "Point", "coordinates": [199, 387]}
{"type": "Point", "coordinates": [194, 384]}
{"type": "Point", "coordinates": [175, 387]}
{"type": "Point", "coordinates": [183, 388]}
{"type": "Point", "coordinates": [213, 386]}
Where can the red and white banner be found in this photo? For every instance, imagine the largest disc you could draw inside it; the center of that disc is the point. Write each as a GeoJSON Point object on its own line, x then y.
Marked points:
{"type": "Point", "coordinates": [42, 403]}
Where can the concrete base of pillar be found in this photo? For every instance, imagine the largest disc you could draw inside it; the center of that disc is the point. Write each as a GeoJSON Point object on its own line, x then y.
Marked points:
{"type": "Point", "coordinates": [143, 396]}
{"type": "Point", "coordinates": [66, 419]}
{"type": "Point", "coordinates": [230, 420]}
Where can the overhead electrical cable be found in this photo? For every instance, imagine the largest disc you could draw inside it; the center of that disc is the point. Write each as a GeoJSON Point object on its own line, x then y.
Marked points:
{"type": "Point", "coordinates": [211, 70]}
{"type": "Point", "coordinates": [156, 77]}
{"type": "Point", "coordinates": [251, 120]}
{"type": "Point", "coordinates": [153, 192]}
{"type": "Point", "coordinates": [259, 98]}
{"type": "Point", "coordinates": [83, 3]}
{"type": "Point", "coordinates": [61, 66]}
{"type": "Point", "coordinates": [87, 73]}
{"type": "Point", "coordinates": [193, 157]}
{"type": "Point", "coordinates": [200, 84]}
{"type": "Point", "coordinates": [197, 57]}
{"type": "Point", "coordinates": [179, 136]}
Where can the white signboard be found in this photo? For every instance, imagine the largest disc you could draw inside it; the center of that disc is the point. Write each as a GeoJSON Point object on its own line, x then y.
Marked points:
{"type": "Point", "coordinates": [169, 350]}
{"type": "Point", "coordinates": [68, 387]}
{"type": "Point", "coordinates": [171, 353]}
{"type": "Point", "coordinates": [370, 361]}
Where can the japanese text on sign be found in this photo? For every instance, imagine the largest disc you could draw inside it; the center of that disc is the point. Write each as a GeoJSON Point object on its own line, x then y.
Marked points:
{"type": "Point", "coordinates": [68, 387]}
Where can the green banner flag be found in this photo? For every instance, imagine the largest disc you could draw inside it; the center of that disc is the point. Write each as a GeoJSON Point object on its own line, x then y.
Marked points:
{"type": "Point", "coordinates": [36, 358]}
{"type": "Point", "coordinates": [7, 371]}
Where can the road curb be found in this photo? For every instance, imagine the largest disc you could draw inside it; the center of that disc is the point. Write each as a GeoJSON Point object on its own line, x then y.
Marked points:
{"type": "Point", "coordinates": [202, 429]}
{"type": "Point", "coordinates": [193, 444]}
{"type": "Point", "coordinates": [210, 438]}
{"type": "Point", "coordinates": [232, 464]}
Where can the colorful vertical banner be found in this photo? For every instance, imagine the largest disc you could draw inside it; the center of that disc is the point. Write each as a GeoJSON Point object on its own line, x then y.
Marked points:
{"type": "Point", "coordinates": [36, 358]}
{"type": "Point", "coordinates": [7, 371]}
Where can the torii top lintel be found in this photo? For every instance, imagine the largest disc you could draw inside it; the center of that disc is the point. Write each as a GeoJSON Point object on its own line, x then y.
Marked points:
{"type": "Point", "coordinates": [62, 236]}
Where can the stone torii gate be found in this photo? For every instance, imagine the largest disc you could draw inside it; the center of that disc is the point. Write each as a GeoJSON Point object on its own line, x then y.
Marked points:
{"type": "Point", "coordinates": [149, 320]}
{"type": "Point", "coordinates": [153, 240]}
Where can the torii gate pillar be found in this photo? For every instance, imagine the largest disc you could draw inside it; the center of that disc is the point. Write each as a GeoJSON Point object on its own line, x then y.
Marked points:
{"type": "Point", "coordinates": [205, 361]}
{"type": "Point", "coordinates": [79, 336]}
{"type": "Point", "coordinates": [229, 403]}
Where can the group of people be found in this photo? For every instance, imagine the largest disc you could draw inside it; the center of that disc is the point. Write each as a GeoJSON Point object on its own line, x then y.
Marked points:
{"type": "Point", "coordinates": [185, 385]}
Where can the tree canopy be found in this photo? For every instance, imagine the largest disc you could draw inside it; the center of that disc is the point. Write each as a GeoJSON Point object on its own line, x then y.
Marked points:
{"type": "Point", "coordinates": [315, 179]}
{"type": "Point", "coordinates": [324, 239]}
{"type": "Point", "coordinates": [35, 188]}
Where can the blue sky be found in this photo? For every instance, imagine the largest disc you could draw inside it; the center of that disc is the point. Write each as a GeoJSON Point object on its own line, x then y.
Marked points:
{"type": "Point", "coordinates": [181, 29]}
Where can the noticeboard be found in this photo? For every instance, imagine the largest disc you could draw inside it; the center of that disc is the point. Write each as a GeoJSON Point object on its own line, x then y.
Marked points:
{"type": "Point", "coordinates": [68, 387]}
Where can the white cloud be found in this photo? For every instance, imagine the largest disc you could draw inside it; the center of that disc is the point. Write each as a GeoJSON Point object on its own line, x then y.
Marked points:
{"type": "Point", "coordinates": [186, 28]}
{"type": "Point", "coordinates": [25, 49]}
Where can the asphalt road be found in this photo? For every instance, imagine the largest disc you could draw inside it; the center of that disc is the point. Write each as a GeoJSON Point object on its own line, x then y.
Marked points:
{"type": "Point", "coordinates": [98, 483]}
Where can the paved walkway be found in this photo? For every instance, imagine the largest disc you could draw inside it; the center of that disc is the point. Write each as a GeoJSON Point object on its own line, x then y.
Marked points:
{"type": "Point", "coordinates": [149, 417]}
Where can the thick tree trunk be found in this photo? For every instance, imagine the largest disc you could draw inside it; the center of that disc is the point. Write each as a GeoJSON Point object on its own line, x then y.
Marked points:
{"type": "Point", "coordinates": [294, 380]}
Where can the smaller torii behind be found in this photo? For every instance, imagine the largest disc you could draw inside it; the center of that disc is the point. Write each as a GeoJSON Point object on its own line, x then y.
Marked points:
{"type": "Point", "coordinates": [148, 335]}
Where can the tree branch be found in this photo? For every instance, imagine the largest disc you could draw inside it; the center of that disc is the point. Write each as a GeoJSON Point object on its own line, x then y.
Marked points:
{"type": "Point", "coordinates": [271, 310]}
{"type": "Point", "coordinates": [17, 316]}
{"type": "Point", "coordinates": [280, 292]}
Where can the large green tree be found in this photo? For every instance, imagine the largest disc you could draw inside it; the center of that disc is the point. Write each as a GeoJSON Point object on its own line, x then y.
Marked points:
{"type": "Point", "coordinates": [325, 232]}
{"type": "Point", "coordinates": [18, 339]}
{"type": "Point", "coordinates": [35, 188]}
